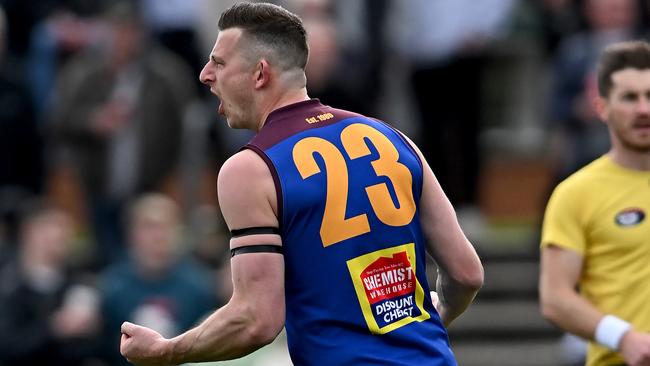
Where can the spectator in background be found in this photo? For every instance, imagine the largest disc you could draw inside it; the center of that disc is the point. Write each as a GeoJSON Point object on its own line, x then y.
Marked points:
{"type": "Point", "coordinates": [119, 117]}
{"type": "Point", "coordinates": [21, 160]}
{"type": "Point", "coordinates": [558, 20]}
{"type": "Point", "coordinates": [325, 69]}
{"type": "Point", "coordinates": [446, 43]}
{"type": "Point", "coordinates": [346, 43]}
{"type": "Point", "coordinates": [578, 135]}
{"type": "Point", "coordinates": [45, 318]}
{"type": "Point", "coordinates": [66, 30]}
{"type": "Point", "coordinates": [157, 286]}
{"type": "Point", "coordinates": [22, 17]}
{"type": "Point", "coordinates": [173, 24]}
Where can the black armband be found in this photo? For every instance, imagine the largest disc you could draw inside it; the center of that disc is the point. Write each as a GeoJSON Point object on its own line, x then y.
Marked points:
{"type": "Point", "coordinates": [254, 231]}
{"type": "Point", "coordinates": [259, 248]}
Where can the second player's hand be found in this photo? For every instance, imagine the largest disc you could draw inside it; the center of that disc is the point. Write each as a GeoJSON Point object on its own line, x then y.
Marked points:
{"type": "Point", "coordinates": [143, 346]}
{"type": "Point", "coordinates": [635, 348]}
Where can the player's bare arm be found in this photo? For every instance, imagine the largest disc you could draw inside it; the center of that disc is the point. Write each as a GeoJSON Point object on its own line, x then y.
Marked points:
{"type": "Point", "coordinates": [255, 314]}
{"type": "Point", "coordinates": [460, 272]}
{"type": "Point", "coordinates": [563, 305]}
{"type": "Point", "coordinates": [560, 302]}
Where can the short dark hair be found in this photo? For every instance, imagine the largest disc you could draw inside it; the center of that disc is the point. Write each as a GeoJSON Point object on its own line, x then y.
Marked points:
{"type": "Point", "coordinates": [272, 26]}
{"type": "Point", "coordinates": [36, 207]}
{"type": "Point", "coordinates": [619, 56]}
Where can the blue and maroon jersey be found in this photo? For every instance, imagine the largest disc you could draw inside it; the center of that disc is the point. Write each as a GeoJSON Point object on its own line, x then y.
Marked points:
{"type": "Point", "coordinates": [348, 197]}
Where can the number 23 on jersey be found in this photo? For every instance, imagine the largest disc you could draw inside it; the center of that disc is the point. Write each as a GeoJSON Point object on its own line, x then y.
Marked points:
{"type": "Point", "coordinates": [335, 227]}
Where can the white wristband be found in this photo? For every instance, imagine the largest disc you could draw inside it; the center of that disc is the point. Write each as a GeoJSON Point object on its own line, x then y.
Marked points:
{"type": "Point", "coordinates": [610, 331]}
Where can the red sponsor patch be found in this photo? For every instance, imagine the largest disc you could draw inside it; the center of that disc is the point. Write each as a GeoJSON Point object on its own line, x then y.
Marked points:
{"type": "Point", "coordinates": [387, 278]}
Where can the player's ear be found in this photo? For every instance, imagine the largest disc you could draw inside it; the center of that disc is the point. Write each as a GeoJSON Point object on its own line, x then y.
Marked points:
{"type": "Point", "coordinates": [262, 74]}
{"type": "Point", "coordinates": [601, 106]}
{"type": "Point", "coordinates": [596, 102]}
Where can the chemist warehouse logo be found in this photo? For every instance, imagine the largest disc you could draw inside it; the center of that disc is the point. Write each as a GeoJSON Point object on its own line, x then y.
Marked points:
{"type": "Point", "coordinates": [389, 293]}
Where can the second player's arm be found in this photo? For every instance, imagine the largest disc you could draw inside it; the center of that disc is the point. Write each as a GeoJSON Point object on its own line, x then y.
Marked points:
{"type": "Point", "coordinates": [562, 304]}
{"type": "Point", "coordinates": [559, 300]}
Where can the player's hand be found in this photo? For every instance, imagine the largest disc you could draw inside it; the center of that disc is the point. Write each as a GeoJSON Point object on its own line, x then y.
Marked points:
{"type": "Point", "coordinates": [436, 300]}
{"type": "Point", "coordinates": [439, 307]}
{"type": "Point", "coordinates": [143, 346]}
{"type": "Point", "coordinates": [635, 348]}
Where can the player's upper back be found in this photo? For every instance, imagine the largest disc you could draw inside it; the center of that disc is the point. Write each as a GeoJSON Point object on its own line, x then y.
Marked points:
{"type": "Point", "coordinates": [348, 190]}
{"type": "Point", "coordinates": [321, 156]}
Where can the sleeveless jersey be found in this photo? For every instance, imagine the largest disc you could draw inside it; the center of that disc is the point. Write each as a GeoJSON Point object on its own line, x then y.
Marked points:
{"type": "Point", "coordinates": [348, 192]}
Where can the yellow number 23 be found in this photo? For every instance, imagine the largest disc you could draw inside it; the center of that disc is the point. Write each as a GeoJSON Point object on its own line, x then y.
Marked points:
{"type": "Point", "coordinates": [335, 226]}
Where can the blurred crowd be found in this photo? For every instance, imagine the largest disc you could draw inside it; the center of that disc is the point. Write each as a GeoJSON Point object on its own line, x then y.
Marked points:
{"type": "Point", "coordinates": [110, 147]}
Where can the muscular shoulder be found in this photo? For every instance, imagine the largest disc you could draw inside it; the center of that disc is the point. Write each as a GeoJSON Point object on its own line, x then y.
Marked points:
{"type": "Point", "coordinates": [244, 163]}
{"type": "Point", "coordinates": [246, 191]}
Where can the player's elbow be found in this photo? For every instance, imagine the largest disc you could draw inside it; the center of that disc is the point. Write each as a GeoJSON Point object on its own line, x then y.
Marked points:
{"type": "Point", "coordinates": [550, 305]}
{"type": "Point", "coordinates": [264, 325]}
{"type": "Point", "coordinates": [549, 310]}
{"type": "Point", "coordinates": [470, 278]}
{"type": "Point", "coordinates": [262, 333]}
{"type": "Point", "coordinates": [474, 280]}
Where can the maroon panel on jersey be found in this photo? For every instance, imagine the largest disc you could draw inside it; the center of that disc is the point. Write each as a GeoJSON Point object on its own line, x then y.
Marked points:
{"type": "Point", "coordinates": [289, 120]}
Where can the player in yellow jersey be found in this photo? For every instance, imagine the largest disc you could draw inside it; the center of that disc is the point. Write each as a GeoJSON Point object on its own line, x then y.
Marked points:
{"type": "Point", "coordinates": [595, 262]}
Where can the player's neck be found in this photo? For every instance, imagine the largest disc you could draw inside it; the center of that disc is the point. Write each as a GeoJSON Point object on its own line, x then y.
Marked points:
{"type": "Point", "coordinates": [635, 160]}
{"type": "Point", "coordinates": [285, 99]}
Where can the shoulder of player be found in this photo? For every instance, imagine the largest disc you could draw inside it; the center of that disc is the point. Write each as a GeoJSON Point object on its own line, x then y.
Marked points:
{"type": "Point", "coordinates": [408, 140]}
{"type": "Point", "coordinates": [246, 191]}
{"type": "Point", "coordinates": [244, 164]}
{"type": "Point", "coordinates": [584, 185]}
{"type": "Point", "coordinates": [583, 178]}
{"type": "Point", "coordinates": [243, 171]}
{"type": "Point", "coordinates": [414, 147]}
